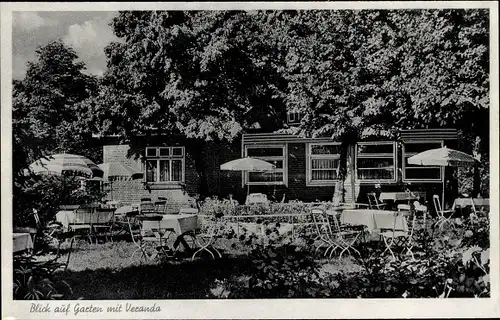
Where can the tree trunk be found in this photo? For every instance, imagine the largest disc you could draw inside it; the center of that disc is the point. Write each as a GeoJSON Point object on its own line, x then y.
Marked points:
{"type": "Point", "coordinates": [476, 186]}
{"type": "Point", "coordinates": [199, 161]}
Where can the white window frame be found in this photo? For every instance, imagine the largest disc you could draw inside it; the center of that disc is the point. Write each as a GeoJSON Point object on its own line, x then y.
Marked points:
{"type": "Point", "coordinates": [269, 159]}
{"type": "Point", "coordinates": [380, 156]}
{"type": "Point", "coordinates": [405, 155]}
{"type": "Point", "coordinates": [310, 157]}
{"type": "Point", "coordinates": [169, 158]}
{"type": "Point", "coordinates": [296, 115]}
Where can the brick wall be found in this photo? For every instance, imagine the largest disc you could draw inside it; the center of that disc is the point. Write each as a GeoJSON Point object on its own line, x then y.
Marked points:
{"type": "Point", "coordinates": [220, 183]}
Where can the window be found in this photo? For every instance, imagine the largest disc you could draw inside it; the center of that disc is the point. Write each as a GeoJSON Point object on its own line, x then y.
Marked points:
{"type": "Point", "coordinates": [323, 163]}
{"type": "Point", "coordinates": [164, 164]}
{"type": "Point", "coordinates": [376, 161]}
{"type": "Point", "coordinates": [294, 117]}
{"type": "Point", "coordinates": [413, 172]}
{"type": "Point", "coordinates": [271, 154]}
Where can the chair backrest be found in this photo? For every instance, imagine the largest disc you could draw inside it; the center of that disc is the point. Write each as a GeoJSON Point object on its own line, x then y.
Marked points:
{"type": "Point", "coordinates": [437, 204]}
{"type": "Point", "coordinates": [147, 207]}
{"type": "Point", "coordinates": [36, 217]}
{"type": "Point", "coordinates": [256, 198]}
{"type": "Point", "coordinates": [373, 201]}
{"type": "Point", "coordinates": [145, 199]}
{"type": "Point", "coordinates": [188, 210]}
{"type": "Point", "coordinates": [161, 206]}
{"type": "Point", "coordinates": [405, 209]}
{"type": "Point", "coordinates": [82, 216]}
{"type": "Point", "coordinates": [321, 223]}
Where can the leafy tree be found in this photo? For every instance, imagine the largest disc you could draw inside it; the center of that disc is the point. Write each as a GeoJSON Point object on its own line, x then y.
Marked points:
{"type": "Point", "coordinates": [45, 105]}
{"type": "Point", "coordinates": [356, 74]}
{"type": "Point", "coordinates": [44, 116]}
{"type": "Point", "coordinates": [200, 74]}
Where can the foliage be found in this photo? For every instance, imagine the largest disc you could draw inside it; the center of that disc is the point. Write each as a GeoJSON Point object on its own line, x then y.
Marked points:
{"type": "Point", "coordinates": [279, 269]}
{"type": "Point", "coordinates": [45, 106]}
{"type": "Point", "coordinates": [195, 73]}
{"type": "Point", "coordinates": [361, 73]}
{"type": "Point", "coordinates": [45, 193]}
{"type": "Point", "coordinates": [45, 120]}
{"type": "Point", "coordinates": [226, 207]}
{"type": "Point", "coordinates": [443, 267]}
{"type": "Point", "coordinates": [34, 280]}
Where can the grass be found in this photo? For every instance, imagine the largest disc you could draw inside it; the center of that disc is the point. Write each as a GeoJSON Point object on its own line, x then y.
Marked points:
{"type": "Point", "coordinates": [106, 271]}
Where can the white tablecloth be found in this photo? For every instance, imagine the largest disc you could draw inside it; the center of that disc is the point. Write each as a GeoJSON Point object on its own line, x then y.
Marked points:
{"type": "Point", "coordinates": [400, 196]}
{"type": "Point", "coordinates": [21, 241]}
{"type": "Point", "coordinates": [464, 202]}
{"type": "Point", "coordinates": [179, 223]}
{"type": "Point", "coordinates": [67, 218]}
{"type": "Point", "coordinates": [374, 220]}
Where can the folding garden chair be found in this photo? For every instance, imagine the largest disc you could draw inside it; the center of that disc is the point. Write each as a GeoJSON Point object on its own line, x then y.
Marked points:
{"type": "Point", "coordinates": [161, 206]}
{"type": "Point", "coordinates": [420, 209]}
{"type": "Point", "coordinates": [147, 207]}
{"type": "Point", "coordinates": [345, 236]}
{"type": "Point", "coordinates": [82, 223]}
{"type": "Point", "coordinates": [323, 231]}
{"type": "Point", "coordinates": [102, 224]}
{"type": "Point", "coordinates": [374, 202]}
{"type": "Point", "coordinates": [402, 238]}
{"type": "Point", "coordinates": [444, 216]}
{"type": "Point", "coordinates": [151, 242]}
{"type": "Point", "coordinates": [335, 235]}
{"type": "Point", "coordinates": [478, 211]}
{"type": "Point", "coordinates": [207, 238]}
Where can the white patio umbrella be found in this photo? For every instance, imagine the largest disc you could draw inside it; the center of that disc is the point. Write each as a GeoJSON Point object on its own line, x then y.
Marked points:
{"type": "Point", "coordinates": [119, 171]}
{"type": "Point", "coordinates": [65, 163]}
{"type": "Point", "coordinates": [442, 157]}
{"type": "Point", "coordinates": [248, 164]}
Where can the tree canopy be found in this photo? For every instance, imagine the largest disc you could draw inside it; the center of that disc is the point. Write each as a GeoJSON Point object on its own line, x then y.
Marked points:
{"type": "Point", "coordinates": [212, 75]}
{"type": "Point", "coordinates": [45, 111]}
{"type": "Point", "coordinates": [200, 74]}
{"type": "Point", "coordinates": [373, 72]}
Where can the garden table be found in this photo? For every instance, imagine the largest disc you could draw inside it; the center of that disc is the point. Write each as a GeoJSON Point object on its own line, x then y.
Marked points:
{"type": "Point", "coordinates": [74, 219]}
{"type": "Point", "coordinates": [180, 224]}
{"type": "Point", "coordinates": [374, 220]}
{"type": "Point", "coordinates": [465, 202]}
{"type": "Point", "coordinates": [461, 203]}
{"type": "Point", "coordinates": [21, 242]}
{"type": "Point", "coordinates": [401, 196]}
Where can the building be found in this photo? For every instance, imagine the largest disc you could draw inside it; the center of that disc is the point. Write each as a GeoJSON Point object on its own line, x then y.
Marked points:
{"type": "Point", "coordinates": [307, 169]}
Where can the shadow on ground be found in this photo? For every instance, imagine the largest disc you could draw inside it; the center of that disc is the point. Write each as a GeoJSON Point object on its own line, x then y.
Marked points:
{"type": "Point", "coordinates": [168, 280]}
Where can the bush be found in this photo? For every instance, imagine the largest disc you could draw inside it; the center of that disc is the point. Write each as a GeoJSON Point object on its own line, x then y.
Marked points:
{"type": "Point", "coordinates": [279, 269]}
{"type": "Point", "coordinates": [226, 207]}
{"type": "Point", "coordinates": [45, 194]}
{"type": "Point", "coordinates": [447, 266]}
{"type": "Point", "coordinates": [35, 280]}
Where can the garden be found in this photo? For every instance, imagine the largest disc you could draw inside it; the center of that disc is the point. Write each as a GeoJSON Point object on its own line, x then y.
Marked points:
{"type": "Point", "coordinates": [266, 261]}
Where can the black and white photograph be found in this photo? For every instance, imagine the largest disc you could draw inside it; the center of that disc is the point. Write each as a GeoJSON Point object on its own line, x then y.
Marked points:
{"type": "Point", "coordinates": [245, 153]}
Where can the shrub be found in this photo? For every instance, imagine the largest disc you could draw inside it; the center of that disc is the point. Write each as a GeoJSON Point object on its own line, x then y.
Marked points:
{"type": "Point", "coordinates": [46, 193]}
{"type": "Point", "coordinates": [35, 280]}
{"type": "Point", "coordinates": [279, 269]}
{"type": "Point", "coordinates": [446, 266]}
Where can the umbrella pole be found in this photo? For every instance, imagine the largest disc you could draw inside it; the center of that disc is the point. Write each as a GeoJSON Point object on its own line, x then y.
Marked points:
{"type": "Point", "coordinates": [442, 196]}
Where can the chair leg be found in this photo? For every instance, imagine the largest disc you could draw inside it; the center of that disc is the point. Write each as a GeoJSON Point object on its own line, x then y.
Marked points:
{"type": "Point", "coordinates": [388, 247]}
{"type": "Point", "coordinates": [349, 245]}
{"type": "Point", "coordinates": [204, 247]}
{"type": "Point", "coordinates": [69, 252]}
{"type": "Point", "coordinates": [320, 245]}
